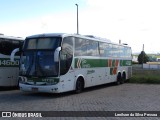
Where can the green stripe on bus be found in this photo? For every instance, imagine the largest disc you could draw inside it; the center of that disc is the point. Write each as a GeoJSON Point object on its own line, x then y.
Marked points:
{"type": "Point", "coordinates": [48, 80]}
{"type": "Point", "coordinates": [90, 63]}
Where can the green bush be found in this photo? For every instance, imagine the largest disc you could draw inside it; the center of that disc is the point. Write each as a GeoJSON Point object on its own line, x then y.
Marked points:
{"type": "Point", "coordinates": [142, 57]}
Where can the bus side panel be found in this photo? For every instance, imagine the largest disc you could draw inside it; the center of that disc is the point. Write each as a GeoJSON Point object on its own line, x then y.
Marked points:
{"type": "Point", "coordinates": [67, 81]}
{"type": "Point", "coordinates": [108, 76]}
{"type": "Point", "coordinates": [9, 76]}
{"type": "Point", "coordinates": [99, 76]}
{"type": "Point", "coordinates": [15, 77]}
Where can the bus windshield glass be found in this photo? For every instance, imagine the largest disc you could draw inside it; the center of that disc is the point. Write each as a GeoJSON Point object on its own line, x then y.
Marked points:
{"type": "Point", "coordinates": [38, 57]}
{"type": "Point", "coordinates": [42, 43]}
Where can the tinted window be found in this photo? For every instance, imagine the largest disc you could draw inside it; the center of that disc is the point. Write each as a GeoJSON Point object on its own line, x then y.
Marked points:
{"type": "Point", "coordinates": [105, 49]}
{"type": "Point", "coordinates": [92, 48]}
{"type": "Point", "coordinates": [115, 50]}
{"type": "Point", "coordinates": [80, 47]}
{"type": "Point", "coordinates": [127, 51]}
{"type": "Point", "coordinates": [84, 47]}
{"type": "Point", "coordinates": [42, 43]}
{"type": "Point", "coordinates": [8, 45]}
{"type": "Point", "coordinates": [121, 51]}
{"type": "Point", "coordinates": [112, 50]}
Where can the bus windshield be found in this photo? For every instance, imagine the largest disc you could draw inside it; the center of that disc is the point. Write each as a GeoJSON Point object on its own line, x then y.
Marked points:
{"type": "Point", "coordinates": [42, 43]}
{"type": "Point", "coordinates": [38, 57]}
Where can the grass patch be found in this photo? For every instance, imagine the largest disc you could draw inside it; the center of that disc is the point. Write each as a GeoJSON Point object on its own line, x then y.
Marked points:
{"type": "Point", "coordinates": [145, 76]}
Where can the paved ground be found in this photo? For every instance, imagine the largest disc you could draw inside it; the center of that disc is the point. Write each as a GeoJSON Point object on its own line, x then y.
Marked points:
{"type": "Point", "coordinates": [126, 97]}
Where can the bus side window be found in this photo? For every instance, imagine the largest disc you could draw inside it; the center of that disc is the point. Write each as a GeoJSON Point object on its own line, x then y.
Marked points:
{"type": "Point", "coordinates": [101, 49]}
{"type": "Point", "coordinates": [121, 51]}
{"type": "Point", "coordinates": [128, 52]}
{"type": "Point", "coordinates": [16, 44]}
{"type": "Point", "coordinates": [92, 48]}
{"type": "Point", "coordinates": [80, 47]}
{"type": "Point", "coordinates": [6, 47]}
{"type": "Point", "coordinates": [1, 45]}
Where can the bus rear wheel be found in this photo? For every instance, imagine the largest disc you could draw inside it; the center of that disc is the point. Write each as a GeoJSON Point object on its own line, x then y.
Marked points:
{"type": "Point", "coordinates": [79, 85]}
{"type": "Point", "coordinates": [123, 77]}
{"type": "Point", "coordinates": [119, 80]}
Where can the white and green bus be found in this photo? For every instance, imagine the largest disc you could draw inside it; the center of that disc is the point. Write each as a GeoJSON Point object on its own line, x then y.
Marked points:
{"type": "Point", "coordinates": [56, 63]}
{"type": "Point", "coordinates": [9, 71]}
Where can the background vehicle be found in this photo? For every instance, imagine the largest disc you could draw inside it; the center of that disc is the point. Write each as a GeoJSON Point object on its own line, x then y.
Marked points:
{"type": "Point", "coordinates": [9, 71]}
{"type": "Point", "coordinates": [62, 62]}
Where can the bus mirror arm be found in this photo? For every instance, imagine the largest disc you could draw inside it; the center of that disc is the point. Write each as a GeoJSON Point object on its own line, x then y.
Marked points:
{"type": "Point", "coordinates": [13, 54]}
{"type": "Point", "coordinates": [56, 54]}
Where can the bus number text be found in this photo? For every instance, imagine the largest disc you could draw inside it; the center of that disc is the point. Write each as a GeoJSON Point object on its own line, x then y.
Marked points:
{"type": "Point", "coordinates": [9, 63]}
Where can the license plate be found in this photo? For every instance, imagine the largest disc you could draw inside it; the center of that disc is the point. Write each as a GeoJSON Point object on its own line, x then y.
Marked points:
{"type": "Point", "coordinates": [34, 89]}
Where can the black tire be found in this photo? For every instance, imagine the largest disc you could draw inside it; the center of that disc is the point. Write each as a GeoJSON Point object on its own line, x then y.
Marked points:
{"type": "Point", "coordinates": [79, 85]}
{"type": "Point", "coordinates": [122, 81]}
{"type": "Point", "coordinates": [119, 80]}
{"type": "Point", "coordinates": [123, 78]}
{"type": "Point", "coordinates": [18, 83]}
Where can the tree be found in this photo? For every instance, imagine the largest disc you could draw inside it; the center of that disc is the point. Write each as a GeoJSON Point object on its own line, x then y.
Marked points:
{"type": "Point", "coordinates": [143, 58]}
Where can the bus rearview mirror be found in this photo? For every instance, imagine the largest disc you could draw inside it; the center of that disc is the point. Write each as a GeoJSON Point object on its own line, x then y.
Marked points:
{"type": "Point", "coordinates": [56, 54]}
{"type": "Point", "coordinates": [13, 54]}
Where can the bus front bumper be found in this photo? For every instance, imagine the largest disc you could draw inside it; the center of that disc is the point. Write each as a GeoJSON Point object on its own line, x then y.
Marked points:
{"type": "Point", "coordinates": [39, 88]}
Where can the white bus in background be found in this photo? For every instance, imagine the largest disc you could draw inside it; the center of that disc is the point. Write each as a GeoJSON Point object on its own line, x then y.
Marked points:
{"type": "Point", "coordinates": [56, 63]}
{"type": "Point", "coordinates": [9, 71]}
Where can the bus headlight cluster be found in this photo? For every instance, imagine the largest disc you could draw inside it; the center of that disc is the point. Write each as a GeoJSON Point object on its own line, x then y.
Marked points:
{"type": "Point", "coordinates": [52, 82]}
{"type": "Point", "coordinates": [22, 79]}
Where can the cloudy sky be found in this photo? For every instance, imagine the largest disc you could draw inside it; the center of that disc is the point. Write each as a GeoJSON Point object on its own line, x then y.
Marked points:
{"type": "Point", "coordinates": [135, 22]}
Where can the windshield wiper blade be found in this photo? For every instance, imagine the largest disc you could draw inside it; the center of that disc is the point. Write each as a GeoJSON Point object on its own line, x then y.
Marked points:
{"type": "Point", "coordinates": [30, 67]}
{"type": "Point", "coordinates": [40, 68]}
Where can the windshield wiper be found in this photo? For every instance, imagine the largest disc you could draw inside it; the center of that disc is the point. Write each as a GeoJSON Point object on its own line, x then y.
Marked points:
{"type": "Point", "coordinates": [30, 66]}
{"type": "Point", "coordinates": [40, 68]}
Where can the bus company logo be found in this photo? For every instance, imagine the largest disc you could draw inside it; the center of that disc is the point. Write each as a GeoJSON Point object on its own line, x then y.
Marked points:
{"type": "Point", "coordinates": [6, 114]}
{"type": "Point", "coordinates": [82, 63]}
{"type": "Point", "coordinates": [113, 64]}
{"type": "Point", "coordinates": [85, 64]}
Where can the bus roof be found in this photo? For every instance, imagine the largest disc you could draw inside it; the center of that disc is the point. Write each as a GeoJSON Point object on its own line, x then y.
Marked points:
{"type": "Point", "coordinates": [91, 37]}
{"type": "Point", "coordinates": [47, 35]}
{"type": "Point", "coordinates": [11, 37]}
{"type": "Point", "coordinates": [65, 35]}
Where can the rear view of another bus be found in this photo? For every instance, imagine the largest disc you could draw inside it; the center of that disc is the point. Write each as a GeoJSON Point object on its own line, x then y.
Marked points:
{"type": "Point", "coordinates": [9, 71]}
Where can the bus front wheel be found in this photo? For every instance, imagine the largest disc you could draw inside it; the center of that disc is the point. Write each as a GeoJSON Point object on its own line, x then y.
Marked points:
{"type": "Point", "coordinates": [79, 85]}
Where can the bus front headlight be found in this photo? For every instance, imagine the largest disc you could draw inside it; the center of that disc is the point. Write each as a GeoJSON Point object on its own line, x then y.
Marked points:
{"type": "Point", "coordinates": [21, 79]}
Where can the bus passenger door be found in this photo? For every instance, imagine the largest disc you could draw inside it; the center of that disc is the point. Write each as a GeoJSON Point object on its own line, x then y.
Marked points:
{"type": "Point", "coordinates": [66, 61]}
